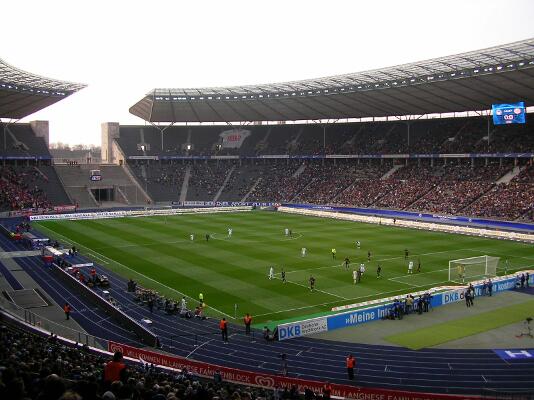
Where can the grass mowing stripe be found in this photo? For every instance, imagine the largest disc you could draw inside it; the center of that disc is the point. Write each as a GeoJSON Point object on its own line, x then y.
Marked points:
{"type": "Point", "coordinates": [235, 270]}
{"type": "Point", "coordinates": [459, 328]}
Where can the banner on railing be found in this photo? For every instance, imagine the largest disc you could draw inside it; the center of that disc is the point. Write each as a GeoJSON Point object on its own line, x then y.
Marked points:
{"type": "Point", "coordinates": [271, 381]}
{"type": "Point", "coordinates": [191, 203]}
{"type": "Point", "coordinates": [363, 315]}
{"type": "Point", "coordinates": [331, 156]}
{"type": "Point", "coordinates": [66, 208]}
{"type": "Point", "coordinates": [139, 213]}
{"type": "Point", "coordinates": [427, 217]}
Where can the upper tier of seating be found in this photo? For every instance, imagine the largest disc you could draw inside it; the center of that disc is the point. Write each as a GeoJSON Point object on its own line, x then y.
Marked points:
{"type": "Point", "coordinates": [458, 135]}
{"type": "Point", "coordinates": [19, 140]}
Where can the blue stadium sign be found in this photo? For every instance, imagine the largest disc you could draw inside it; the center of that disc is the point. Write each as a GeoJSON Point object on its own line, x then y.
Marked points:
{"type": "Point", "coordinates": [513, 113]}
{"type": "Point", "coordinates": [515, 354]}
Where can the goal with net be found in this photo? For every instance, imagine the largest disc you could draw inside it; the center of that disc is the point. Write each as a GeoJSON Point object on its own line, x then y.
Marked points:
{"type": "Point", "coordinates": [466, 269]}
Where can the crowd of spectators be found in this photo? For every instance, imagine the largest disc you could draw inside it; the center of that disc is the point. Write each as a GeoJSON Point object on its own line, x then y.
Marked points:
{"type": "Point", "coordinates": [526, 175]}
{"type": "Point", "coordinates": [454, 186]}
{"type": "Point", "coordinates": [278, 182]}
{"type": "Point", "coordinates": [154, 301]}
{"type": "Point", "coordinates": [206, 180]}
{"type": "Point", "coordinates": [240, 182]}
{"type": "Point", "coordinates": [44, 368]}
{"type": "Point", "coordinates": [19, 189]}
{"type": "Point", "coordinates": [325, 181]}
{"type": "Point", "coordinates": [507, 201]}
{"type": "Point", "coordinates": [459, 186]}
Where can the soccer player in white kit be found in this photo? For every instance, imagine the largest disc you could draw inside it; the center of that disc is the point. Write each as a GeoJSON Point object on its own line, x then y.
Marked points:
{"type": "Point", "coordinates": [355, 276]}
{"type": "Point", "coordinates": [410, 267]}
{"type": "Point", "coordinates": [271, 273]}
{"type": "Point", "coordinates": [303, 251]}
{"type": "Point", "coordinates": [362, 268]}
{"type": "Point", "coordinates": [286, 231]}
{"type": "Point", "coordinates": [192, 237]}
{"type": "Point", "coordinates": [358, 244]}
{"type": "Point", "coordinates": [230, 232]}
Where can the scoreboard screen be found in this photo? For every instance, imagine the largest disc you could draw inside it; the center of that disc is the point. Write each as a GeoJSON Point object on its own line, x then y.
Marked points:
{"type": "Point", "coordinates": [508, 113]}
{"type": "Point", "coordinates": [95, 175]}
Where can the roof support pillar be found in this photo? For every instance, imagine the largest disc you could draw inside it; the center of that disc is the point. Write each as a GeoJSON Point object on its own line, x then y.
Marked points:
{"type": "Point", "coordinates": [158, 127]}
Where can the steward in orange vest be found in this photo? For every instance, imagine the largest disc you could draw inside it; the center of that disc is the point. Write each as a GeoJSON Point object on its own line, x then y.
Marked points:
{"type": "Point", "coordinates": [247, 320]}
{"type": "Point", "coordinates": [67, 309]}
{"type": "Point", "coordinates": [351, 362]}
{"type": "Point", "coordinates": [223, 325]}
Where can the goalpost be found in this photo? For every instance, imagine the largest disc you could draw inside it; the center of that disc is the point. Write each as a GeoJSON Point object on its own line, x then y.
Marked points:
{"type": "Point", "coordinates": [465, 269]}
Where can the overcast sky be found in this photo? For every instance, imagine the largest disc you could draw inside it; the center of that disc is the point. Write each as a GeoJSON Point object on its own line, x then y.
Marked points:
{"type": "Point", "coordinates": [123, 49]}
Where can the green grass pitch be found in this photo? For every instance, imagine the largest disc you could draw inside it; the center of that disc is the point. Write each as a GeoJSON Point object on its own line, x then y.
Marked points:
{"type": "Point", "coordinates": [462, 327]}
{"type": "Point", "coordinates": [158, 253]}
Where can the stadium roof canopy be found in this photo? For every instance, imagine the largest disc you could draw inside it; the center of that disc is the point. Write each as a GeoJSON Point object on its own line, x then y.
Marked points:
{"type": "Point", "coordinates": [23, 93]}
{"type": "Point", "coordinates": [463, 82]}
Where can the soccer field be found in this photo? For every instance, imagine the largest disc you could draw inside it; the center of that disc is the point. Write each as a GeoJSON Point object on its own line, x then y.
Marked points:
{"type": "Point", "coordinates": [158, 253]}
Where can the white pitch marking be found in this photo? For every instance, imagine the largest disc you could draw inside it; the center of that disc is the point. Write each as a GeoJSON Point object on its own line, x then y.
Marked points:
{"type": "Point", "coordinates": [139, 273]}
{"type": "Point", "coordinates": [333, 302]}
{"type": "Point", "coordinates": [317, 290]}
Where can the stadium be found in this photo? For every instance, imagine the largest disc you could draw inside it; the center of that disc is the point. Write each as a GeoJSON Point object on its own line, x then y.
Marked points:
{"type": "Point", "coordinates": [354, 214]}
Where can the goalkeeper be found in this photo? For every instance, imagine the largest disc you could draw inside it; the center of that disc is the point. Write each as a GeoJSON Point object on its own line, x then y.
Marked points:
{"type": "Point", "coordinates": [461, 272]}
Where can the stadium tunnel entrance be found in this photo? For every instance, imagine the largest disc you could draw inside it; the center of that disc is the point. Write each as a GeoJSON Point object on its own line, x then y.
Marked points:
{"type": "Point", "coordinates": [103, 194]}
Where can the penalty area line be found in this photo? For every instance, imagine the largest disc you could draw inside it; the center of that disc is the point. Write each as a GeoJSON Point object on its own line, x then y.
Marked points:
{"type": "Point", "coordinates": [315, 290]}
{"type": "Point", "coordinates": [351, 299]}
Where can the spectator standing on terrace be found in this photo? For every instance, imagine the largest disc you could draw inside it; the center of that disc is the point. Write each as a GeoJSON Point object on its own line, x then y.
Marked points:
{"type": "Point", "coordinates": [284, 369]}
{"type": "Point", "coordinates": [327, 391]}
{"type": "Point", "coordinates": [351, 362]}
{"type": "Point", "coordinates": [67, 309]}
{"type": "Point", "coordinates": [247, 320]}
{"type": "Point", "coordinates": [115, 370]}
{"type": "Point", "coordinates": [223, 326]}
{"type": "Point", "coordinates": [217, 377]}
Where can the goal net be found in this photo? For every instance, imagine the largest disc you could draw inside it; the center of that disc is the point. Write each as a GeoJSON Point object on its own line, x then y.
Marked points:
{"type": "Point", "coordinates": [466, 269]}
